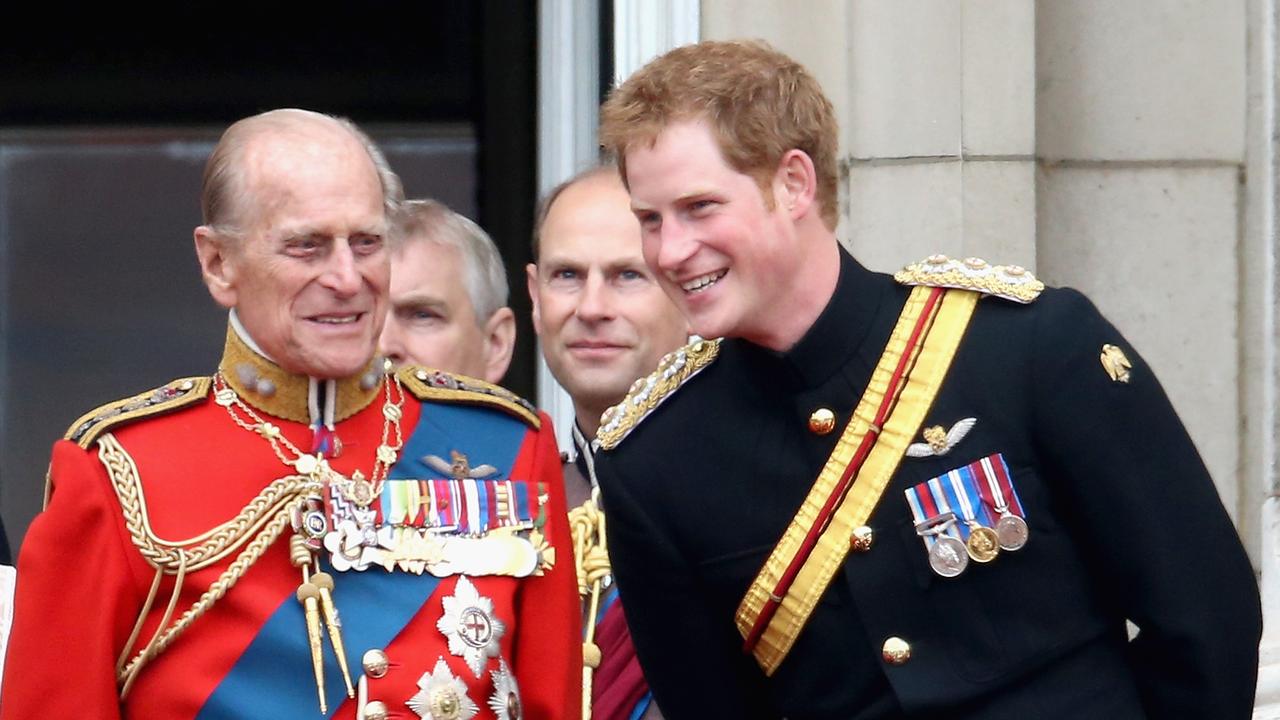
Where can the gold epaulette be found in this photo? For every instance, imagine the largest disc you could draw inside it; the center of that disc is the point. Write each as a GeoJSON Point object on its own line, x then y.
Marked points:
{"type": "Point", "coordinates": [1010, 282]}
{"type": "Point", "coordinates": [440, 386]}
{"type": "Point", "coordinates": [648, 392]}
{"type": "Point", "coordinates": [178, 394]}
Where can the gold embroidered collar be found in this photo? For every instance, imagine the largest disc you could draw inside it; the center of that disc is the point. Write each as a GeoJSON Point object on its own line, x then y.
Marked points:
{"type": "Point", "coordinates": [275, 391]}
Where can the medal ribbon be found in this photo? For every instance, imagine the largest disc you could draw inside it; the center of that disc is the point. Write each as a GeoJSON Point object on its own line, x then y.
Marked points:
{"type": "Point", "coordinates": [903, 385]}
{"type": "Point", "coordinates": [991, 475]}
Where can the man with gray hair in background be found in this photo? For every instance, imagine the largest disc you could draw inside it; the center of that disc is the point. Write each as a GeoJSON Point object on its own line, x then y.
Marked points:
{"type": "Point", "coordinates": [448, 295]}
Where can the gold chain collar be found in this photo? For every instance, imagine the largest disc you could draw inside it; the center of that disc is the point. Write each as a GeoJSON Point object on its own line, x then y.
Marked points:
{"type": "Point", "coordinates": [357, 488]}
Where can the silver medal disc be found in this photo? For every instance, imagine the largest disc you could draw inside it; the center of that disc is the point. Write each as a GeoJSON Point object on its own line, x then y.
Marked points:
{"type": "Point", "coordinates": [1013, 532]}
{"type": "Point", "coordinates": [948, 556]}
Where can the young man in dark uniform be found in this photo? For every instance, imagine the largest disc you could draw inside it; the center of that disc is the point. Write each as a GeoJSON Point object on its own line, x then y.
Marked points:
{"type": "Point", "coordinates": [945, 493]}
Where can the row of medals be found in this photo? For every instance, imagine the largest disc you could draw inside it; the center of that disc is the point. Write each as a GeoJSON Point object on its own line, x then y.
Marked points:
{"type": "Point", "coordinates": [950, 555]}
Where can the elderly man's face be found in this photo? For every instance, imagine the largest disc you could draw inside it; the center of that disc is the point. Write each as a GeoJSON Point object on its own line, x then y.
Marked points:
{"type": "Point", "coordinates": [309, 275]}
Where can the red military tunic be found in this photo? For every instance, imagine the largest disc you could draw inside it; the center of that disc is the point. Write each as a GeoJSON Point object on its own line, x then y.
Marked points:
{"type": "Point", "coordinates": [83, 577]}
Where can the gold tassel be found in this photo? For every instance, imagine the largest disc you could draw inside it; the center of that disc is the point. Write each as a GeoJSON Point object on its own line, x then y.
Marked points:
{"type": "Point", "coordinates": [324, 582]}
{"type": "Point", "coordinates": [309, 595]}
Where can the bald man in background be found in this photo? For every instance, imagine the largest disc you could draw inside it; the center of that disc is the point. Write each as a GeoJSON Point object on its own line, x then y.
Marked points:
{"type": "Point", "coordinates": [604, 321]}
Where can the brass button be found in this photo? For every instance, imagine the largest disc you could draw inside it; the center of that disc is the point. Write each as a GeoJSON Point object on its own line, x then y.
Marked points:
{"type": "Point", "coordinates": [375, 663]}
{"type": "Point", "coordinates": [862, 538]}
{"type": "Point", "coordinates": [896, 651]}
{"type": "Point", "coordinates": [822, 421]}
{"type": "Point", "coordinates": [375, 710]}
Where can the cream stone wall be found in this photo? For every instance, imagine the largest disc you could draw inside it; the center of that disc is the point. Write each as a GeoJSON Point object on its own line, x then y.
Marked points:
{"type": "Point", "coordinates": [1100, 143]}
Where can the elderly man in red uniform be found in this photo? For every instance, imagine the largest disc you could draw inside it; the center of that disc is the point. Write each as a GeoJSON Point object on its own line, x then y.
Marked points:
{"type": "Point", "coordinates": [301, 534]}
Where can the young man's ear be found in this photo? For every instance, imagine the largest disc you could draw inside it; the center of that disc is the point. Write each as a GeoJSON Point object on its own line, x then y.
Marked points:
{"type": "Point", "coordinates": [531, 282]}
{"type": "Point", "coordinates": [217, 267]}
{"type": "Point", "coordinates": [500, 343]}
{"type": "Point", "coordinates": [795, 184]}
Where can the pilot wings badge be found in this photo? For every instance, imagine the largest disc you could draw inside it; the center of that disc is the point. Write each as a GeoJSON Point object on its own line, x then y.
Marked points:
{"type": "Point", "coordinates": [939, 441]}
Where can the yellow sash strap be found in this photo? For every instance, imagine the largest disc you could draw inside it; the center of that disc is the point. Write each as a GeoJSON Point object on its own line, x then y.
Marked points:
{"type": "Point", "coordinates": [938, 326]}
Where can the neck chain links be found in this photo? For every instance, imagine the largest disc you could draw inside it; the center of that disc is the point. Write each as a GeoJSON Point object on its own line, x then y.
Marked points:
{"type": "Point", "coordinates": [316, 591]}
{"type": "Point", "coordinates": [358, 489]}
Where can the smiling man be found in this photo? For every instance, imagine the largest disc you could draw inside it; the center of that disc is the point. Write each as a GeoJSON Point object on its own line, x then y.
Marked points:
{"type": "Point", "coordinates": [943, 493]}
{"type": "Point", "coordinates": [303, 534]}
{"type": "Point", "coordinates": [604, 321]}
{"type": "Point", "coordinates": [448, 296]}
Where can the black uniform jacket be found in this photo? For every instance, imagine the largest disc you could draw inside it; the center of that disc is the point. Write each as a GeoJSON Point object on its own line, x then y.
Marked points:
{"type": "Point", "coordinates": [1125, 524]}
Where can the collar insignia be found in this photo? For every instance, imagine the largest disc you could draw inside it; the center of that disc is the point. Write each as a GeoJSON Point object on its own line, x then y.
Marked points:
{"type": "Point", "coordinates": [1115, 363]}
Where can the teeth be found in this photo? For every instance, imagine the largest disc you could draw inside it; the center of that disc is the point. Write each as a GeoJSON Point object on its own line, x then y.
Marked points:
{"type": "Point", "coordinates": [705, 281]}
{"type": "Point", "coordinates": [346, 319]}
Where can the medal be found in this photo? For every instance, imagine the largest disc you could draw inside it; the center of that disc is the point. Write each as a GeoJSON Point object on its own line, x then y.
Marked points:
{"type": "Point", "coordinates": [442, 696]}
{"type": "Point", "coordinates": [505, 701]}
{"type": "Point", "coordinates": [983, 544]}
{"type": "Point", "coordinates": [359, 490]}
{"type": "Point", "coordinates": [472, 628]}
{"type": "Point", "coordinates": [948, 557]}
{"type": "Point", "coordinates": [991, 475]}
{"type": "Point", "coordinates": [1012, 531]}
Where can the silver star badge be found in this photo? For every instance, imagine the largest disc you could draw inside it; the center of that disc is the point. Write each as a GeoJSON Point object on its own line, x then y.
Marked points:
{"type": "Point", "coordinates": [938, 441]}
{"type": "Point", "coordinates": [505, 701]}
{"type": "Point", "coordinates": [470, 625]}
{"type": "Point", "coordinates": [442, 696]}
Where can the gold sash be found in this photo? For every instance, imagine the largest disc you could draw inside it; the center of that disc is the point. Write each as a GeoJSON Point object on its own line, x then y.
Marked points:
{"type": "Point", "coordinates": [902, 387]}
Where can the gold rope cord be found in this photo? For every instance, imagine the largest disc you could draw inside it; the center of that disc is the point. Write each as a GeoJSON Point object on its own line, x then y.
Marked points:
{"type": "Point", "coordinates": [591, 558]}
{"type": "Point", "coordinates": [259, 524]}
{"type": "Point", "coordinates": [211, 546]}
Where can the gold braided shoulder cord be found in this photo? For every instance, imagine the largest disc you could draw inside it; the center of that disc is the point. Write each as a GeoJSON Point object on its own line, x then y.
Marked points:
{"type": "Point", "coordinates": [591, 558]}
{"type": "Point", "coordinates": [259, 524]}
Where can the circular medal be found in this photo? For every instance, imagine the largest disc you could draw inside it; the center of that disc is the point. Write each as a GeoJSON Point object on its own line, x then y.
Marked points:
{"type": "Point", "coordinates": [1013, 532]}
{"type": "Point", "coordinates": [359, 491]}
{"type": "Point", "coordinates": [984, 544]}
{"type": "Point", "coordinates": [947, 557]}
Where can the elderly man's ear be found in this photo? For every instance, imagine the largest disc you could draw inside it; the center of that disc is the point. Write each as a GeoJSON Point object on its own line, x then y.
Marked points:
{"type": "Point", "coordinates": [500, 343]}
{"type": "Point", "coordinates": [217, 267]}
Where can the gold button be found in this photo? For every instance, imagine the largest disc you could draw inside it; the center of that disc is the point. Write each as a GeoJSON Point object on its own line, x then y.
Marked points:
{"type": "Point", "coordinates": [375, 663]}
{"type": "Point", "coordinates": [822, 421]}
{"type": "Point", "coordinates": [896, 651]}
{"type": "Point", "coordinates": [375, 710]}
{"type": "Point", "coordinates": [862, 537]}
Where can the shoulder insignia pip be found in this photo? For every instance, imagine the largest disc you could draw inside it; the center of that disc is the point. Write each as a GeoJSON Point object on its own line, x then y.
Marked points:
{"type": "Point", "coordinates": [440, 386]}
{"type": "Point", "coordinates": [648, 393]}
{"type": "Point", "coordinates": [177, 394]}
{"type": "Point", "coordinates": [1010, 282]}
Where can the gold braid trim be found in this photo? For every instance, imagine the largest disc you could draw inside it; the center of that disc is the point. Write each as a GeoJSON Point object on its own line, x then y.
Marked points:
{"type": "Point", "coordinates": [203, 550]}
{"type": "Point", "coordinates": [647, 393]}
{"type": "Point", "coordinates": [591, 559]}
{"type": "Point", "coordinates": [259, 524]}
{"type": "Point", "coordinates": [216, 591]}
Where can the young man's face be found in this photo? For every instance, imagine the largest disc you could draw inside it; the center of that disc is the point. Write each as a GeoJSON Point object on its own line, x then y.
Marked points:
{"type": "Point", "coordinates": [724, 256]}
{"type": "Point", "coordinates": [601, 316]}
